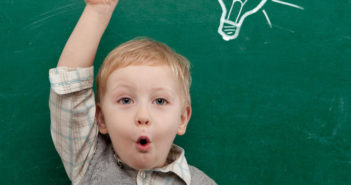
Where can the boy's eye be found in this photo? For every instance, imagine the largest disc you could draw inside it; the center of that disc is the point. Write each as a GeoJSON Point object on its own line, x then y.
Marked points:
{"type": "Point", "coordinates": [160, 101]}
{"type": "Point", "coordinates": [125, 100]}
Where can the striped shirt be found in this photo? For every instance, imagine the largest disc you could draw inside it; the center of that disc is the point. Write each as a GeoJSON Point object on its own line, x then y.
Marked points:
{"type": "Point", "coordinates": [75, 133]}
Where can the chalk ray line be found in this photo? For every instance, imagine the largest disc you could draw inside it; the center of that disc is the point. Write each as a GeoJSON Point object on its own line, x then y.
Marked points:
{"type": "Point", "coordinates": [288, 4]}
{"type": "Point", "coordinates": [268, 20]}
{"type": "Point", "coordinates": [56, 9]}
{"type": "Point", "coordinates": [283, 28]}
{"type": "Point", "coordinates": [48, 15]}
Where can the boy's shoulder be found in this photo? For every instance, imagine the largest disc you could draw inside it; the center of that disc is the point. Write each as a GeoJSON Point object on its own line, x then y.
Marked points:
{"type": "Point", "coordinates": [200, 178]}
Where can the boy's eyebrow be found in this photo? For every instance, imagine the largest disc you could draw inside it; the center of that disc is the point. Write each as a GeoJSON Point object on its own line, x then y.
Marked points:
{"type": "Point", "coordinates": [162, 89]}
{"type": "Point", "coordinates": [123, 85]}
{"type": "Point", "coordinates": [166, 89]}
{"type": "Point", "coordinates": [127, 86]}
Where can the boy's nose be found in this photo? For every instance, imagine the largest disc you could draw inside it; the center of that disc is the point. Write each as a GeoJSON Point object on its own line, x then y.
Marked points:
{"type": "Point", "coordinates": [143, 122]}
{"type": "Point", "coordinates": [142, 117]}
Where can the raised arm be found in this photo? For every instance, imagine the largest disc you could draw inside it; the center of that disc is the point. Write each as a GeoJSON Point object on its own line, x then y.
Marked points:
{"type": "Point", "coordinates": [81, 47]}
{"type": "Point", "coordinates": [72, 105]}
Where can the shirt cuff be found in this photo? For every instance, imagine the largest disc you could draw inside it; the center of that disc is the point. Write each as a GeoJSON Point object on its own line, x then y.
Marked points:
{"type": "Point", "coordinates": [66, 80]}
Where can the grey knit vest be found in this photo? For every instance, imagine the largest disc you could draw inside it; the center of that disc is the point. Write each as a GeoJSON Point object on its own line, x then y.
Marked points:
{"type": "Point", "coordinates": [104, 169]}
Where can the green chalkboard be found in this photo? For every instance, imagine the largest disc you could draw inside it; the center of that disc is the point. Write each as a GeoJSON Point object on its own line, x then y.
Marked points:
{"type": "Point", "coordinates": [271, 106]}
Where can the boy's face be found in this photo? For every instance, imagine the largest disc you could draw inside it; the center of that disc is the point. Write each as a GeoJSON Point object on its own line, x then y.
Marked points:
{"type": "Point", "coordinates": [143, 111]}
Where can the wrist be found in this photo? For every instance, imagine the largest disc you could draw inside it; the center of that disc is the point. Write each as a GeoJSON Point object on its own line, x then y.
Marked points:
{"type": "Point", "coordinates": [100, 10]}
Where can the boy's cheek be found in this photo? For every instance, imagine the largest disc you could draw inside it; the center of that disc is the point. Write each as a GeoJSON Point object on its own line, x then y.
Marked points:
{"type": "Point", "coordinates": [121, 123]}
{"type": "Point", "coordinates": [168, 125]}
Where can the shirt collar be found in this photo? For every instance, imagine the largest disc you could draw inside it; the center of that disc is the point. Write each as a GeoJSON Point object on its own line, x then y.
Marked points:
{"type": "Point", "coordinates": [176, 164]}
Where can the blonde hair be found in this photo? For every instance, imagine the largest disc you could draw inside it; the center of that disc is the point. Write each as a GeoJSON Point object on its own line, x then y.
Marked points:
{"type": "Point", "coordinates": [144, 51]}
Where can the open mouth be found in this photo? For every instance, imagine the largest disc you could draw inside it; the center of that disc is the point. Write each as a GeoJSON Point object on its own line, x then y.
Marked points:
{"type": "Point", "coordinates": [143, 143]}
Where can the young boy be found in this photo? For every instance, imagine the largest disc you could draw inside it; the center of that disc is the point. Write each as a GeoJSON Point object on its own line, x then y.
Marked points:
{"type": "Point", "coordinates": [143, 102]}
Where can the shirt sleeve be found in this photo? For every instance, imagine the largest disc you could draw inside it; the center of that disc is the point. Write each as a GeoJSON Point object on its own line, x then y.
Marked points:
{"type": "Point", "coordinates": [72, 111]}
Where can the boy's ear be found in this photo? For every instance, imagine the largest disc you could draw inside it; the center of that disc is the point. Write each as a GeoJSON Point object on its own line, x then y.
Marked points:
{"type": "Point", "coordinates": [100, 120]}
{"type": "Point", "coordinates": [185, 117]}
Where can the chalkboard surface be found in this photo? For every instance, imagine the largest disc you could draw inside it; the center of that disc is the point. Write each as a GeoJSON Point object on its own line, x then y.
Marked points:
{"type": "Point", "coordinates": [271, 106]}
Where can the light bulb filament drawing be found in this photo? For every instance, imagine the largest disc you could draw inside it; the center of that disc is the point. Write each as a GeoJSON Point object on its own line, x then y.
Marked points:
{"type": "Point", "coordinates": [234, 13]}
{"type": "Point", "coordinates": [238, 4]}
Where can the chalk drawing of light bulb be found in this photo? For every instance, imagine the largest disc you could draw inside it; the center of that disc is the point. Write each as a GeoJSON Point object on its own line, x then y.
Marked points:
{"type": "Point", "coordinates": [234, 13]}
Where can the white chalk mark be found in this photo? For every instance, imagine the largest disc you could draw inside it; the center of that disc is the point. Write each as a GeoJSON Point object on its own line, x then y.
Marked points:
{"type": "Point", "coordinates": [231, 8]}
{"type": "Point", "coordinates": [342, 104]}
{"type": "Point", "coordinates": [282, 28]}
{"type": "Point", "coordinates": [288, 4]}
{"type": "Point", "coordinates": [48, 15]}
{"type": "Point", "coordinates": [240, 16]}
{"type": "Point", "coordinates": [231, 21]}
{"type": "Point", "coordinates": [56, 9]}
{"type": "Point", "coordinates": [31, 25]}
{"type": "Point", "coordinates": [269, 21]}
